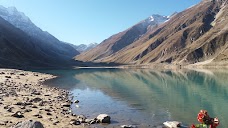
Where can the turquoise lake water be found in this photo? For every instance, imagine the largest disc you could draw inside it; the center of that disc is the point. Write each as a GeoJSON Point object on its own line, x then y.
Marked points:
{"type": "Point", "coordinates": [146, 97]}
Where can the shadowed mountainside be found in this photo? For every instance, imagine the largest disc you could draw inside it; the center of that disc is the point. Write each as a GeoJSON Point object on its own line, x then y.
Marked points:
{"type": "Point", "coordinates": [46, 40]}
{"type": "Point", "coordinates": [18, 50]}
{"type": "Point", "coordinates": [24, 45]}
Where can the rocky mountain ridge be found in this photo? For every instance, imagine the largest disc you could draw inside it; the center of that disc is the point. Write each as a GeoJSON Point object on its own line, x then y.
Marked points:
{"type": "Point", "coordinates": [21, 48]}
{"type": "Point", "coordinates": [84, 47]}
{"type": "Point", "coordinates": [119, 41]}
{"type": "Point", "coordinates": [21, 21]}
{"type": "Point", "coordinates": [197, 35]}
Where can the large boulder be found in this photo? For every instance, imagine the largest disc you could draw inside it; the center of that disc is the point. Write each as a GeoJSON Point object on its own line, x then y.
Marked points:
{"type": "Point", "coordinates": [104, 118]}
{"type": "Point", "coordinates": [28, 124]}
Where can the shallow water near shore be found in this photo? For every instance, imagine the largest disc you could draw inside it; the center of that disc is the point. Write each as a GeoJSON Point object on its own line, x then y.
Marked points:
{"type": "Point", "coordinates": [146, 97]}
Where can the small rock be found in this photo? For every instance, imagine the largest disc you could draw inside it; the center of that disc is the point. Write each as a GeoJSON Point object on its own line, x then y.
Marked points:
{"type": "Point", "coordinates": [18, 114]}
{"type": "Point", "coordinates": [10, 109]}
{"type": "Point", "coordinates": [39, 116]}
{"type": "Point", "coordinates": [36, 93]}
{"type": "Point", "coordinates": [20, 103]}
{"type": "Point", "coordinates": [34, 106]}
{"type": "Point", "coordinates": [128, 126]}
{"type": "Point", "coordinates": [75, 122]}
{"type": "Point", "coordinates": [81, 118]}
{"type": "Point", "coordinates": [65, 109]}
{"type": "Point", "coordinates": [104, 118]}
{"type": "Point", "coordinates": [66, 104]}
{"type": "Point", "coordinates": [49, 114]}
{"type": "Point", "coordinates": [22, 107]}
{"type": "Point", "coordinates": [76, 101]}
{"type": "Point", "coordinates": [6, 107]}
{"type": "Point", "coordinates": [55, 122]}
{"type": "Point", "coordinates": [47, 110]}
{"type": "Point", "coordinates": [12, 73]}
{"type": "Point", "coordinates": [72, 114]}
{"type": "Point", "coordinates": [172, 124]}
{"type": "Point", "coordinates": [28, 124]}
{"type": "Point", "coordinates": [42, 103]}
{"type": "Point", "coordinates": [28, 103]}
{"type": "Point", "coordinates": [37, 99]}
{"type": "Point", "coordinates": [28, 110]}
{"type": "Point", "coordinates": [90, 121]}
{"type": "Point", "coordinates": [2, 73]}
{"type": "Point", "coordinates": [8, 77]}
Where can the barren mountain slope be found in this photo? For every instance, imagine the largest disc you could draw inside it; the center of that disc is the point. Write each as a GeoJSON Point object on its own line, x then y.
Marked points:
{"type": "Point", "coordinates": [198, 34]}
{"type": "Point", "coordinates": [121, 40]}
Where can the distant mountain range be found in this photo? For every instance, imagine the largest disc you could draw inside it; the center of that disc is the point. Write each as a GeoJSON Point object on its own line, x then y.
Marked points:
{"type": "Point", "coordinates": [23, 44]}
{"type": "Point", "coordinates": [198, 35]}
{"type": "Point", "coordinates": [84, 47]}
{"type": "Point", "coordinates": [121, 40]}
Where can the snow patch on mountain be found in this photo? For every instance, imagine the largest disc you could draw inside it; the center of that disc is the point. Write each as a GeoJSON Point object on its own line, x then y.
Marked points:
{"type": "Point", "coordinates": [155, 19]}
{"type": "Point", "coordinates": [84, 47]}
{"type": "Point", "coordinates": [151, 18]}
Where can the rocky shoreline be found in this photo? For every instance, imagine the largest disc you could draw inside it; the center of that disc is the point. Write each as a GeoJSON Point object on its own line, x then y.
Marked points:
{"type": "Point", "coordinates": [23, 98]}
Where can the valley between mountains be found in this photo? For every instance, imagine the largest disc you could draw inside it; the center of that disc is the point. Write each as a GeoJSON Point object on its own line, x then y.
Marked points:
{"type": "Point", "coordinates": [88, 88]}
{"type": "Point", "coordinates": [198, 36]}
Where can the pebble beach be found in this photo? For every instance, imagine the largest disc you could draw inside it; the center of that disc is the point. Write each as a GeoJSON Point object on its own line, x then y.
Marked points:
{"type": "Point", "coordinates": [24, 97]}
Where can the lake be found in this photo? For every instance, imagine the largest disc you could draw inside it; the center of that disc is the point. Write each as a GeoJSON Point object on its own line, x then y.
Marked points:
{"type": "Point", "coordinates": [146, 97]}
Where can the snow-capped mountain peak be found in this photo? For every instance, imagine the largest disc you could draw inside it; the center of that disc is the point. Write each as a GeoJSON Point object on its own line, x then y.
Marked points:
{"type": "Point", "coordinates": [84, 47]}
{"type": "Point", "coordinates": [11, 14]}
{"type": "Point", "coordinates": [156, 19]}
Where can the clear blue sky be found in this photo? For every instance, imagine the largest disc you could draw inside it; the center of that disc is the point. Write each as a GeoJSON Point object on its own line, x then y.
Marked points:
{"type": "Point", "coordinates": [87, 21]}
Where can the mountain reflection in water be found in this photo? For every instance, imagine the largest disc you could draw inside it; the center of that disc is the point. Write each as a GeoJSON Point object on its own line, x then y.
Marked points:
{"type": "Point", "coordinates": [146, 96]}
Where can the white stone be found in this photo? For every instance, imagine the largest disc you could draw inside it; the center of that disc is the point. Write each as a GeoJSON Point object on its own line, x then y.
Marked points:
{"type": "Point", "coordinates": [104, 118]}
{"type": "Point", "coordinates": [172, 124]}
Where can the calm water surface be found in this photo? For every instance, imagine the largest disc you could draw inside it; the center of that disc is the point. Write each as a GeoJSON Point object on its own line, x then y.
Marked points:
{"type": "Point", "coordinates": [146, 97]}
